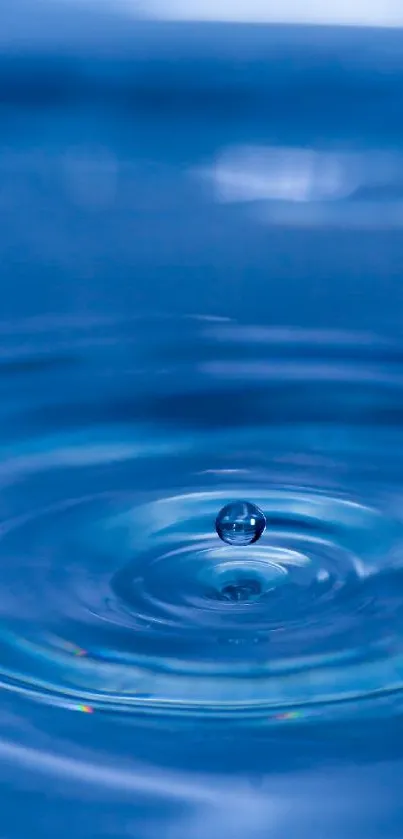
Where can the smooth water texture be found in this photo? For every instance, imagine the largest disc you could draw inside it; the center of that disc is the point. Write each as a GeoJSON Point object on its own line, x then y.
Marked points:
{"type": "Point", "coordinates": [202, 305]}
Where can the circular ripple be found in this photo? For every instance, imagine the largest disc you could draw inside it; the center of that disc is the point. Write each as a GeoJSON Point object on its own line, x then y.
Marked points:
{"type": "Point", "coordinates": [145, 613]}
{"type": "Point", "coordinates": [117, 593]}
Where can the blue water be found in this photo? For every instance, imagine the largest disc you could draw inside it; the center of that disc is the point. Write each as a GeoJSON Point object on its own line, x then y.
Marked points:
{"type": "Point", "coordinates": [201, 301]}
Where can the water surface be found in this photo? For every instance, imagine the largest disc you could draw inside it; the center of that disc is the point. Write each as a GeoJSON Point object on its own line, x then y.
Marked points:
{"type": "Point", "coordinates": [201, 302]}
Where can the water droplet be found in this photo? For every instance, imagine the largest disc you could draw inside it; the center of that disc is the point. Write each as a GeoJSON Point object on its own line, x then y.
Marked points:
{"type": "Point", "coordinates": [240, 523]}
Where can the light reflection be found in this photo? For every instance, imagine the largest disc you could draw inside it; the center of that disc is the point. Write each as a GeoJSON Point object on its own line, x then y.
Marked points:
{"type": "Point", "coordinates": [256, 173]}
{"type": "Point", "coordinates": [310, 187]}
{"type": "Point", "coordinates": [359, 13]}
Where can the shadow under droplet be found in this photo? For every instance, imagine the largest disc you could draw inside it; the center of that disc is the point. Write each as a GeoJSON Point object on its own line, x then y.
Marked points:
{"type": "Point", "coordinates": [240, 592]}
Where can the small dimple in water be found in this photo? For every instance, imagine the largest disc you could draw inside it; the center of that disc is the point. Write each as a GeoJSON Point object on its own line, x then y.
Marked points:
{"type": "Point", "coordinates": [239, 592]}
{"type": "Point", "coordinates": [240, 523]}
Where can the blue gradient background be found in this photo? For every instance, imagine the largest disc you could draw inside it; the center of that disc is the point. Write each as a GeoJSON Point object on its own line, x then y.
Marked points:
{"type": "Point", "coordinates": [153, 104]}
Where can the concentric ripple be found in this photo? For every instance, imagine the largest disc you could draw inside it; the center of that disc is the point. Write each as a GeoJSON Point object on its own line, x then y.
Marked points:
{"type": "Point", "coordinates": [116, 592]}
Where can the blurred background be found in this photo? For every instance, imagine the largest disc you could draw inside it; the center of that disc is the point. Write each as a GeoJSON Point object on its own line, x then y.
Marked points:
{"type": "Point", "coordinates": [159, 147]}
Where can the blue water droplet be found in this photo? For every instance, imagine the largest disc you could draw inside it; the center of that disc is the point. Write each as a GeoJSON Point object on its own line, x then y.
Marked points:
{"type": "Point", "coordinates": [240, 523]}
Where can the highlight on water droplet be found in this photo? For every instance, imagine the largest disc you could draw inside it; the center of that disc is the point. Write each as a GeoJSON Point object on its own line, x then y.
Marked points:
{"type": "Point", "coordinates": [240, 523]}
